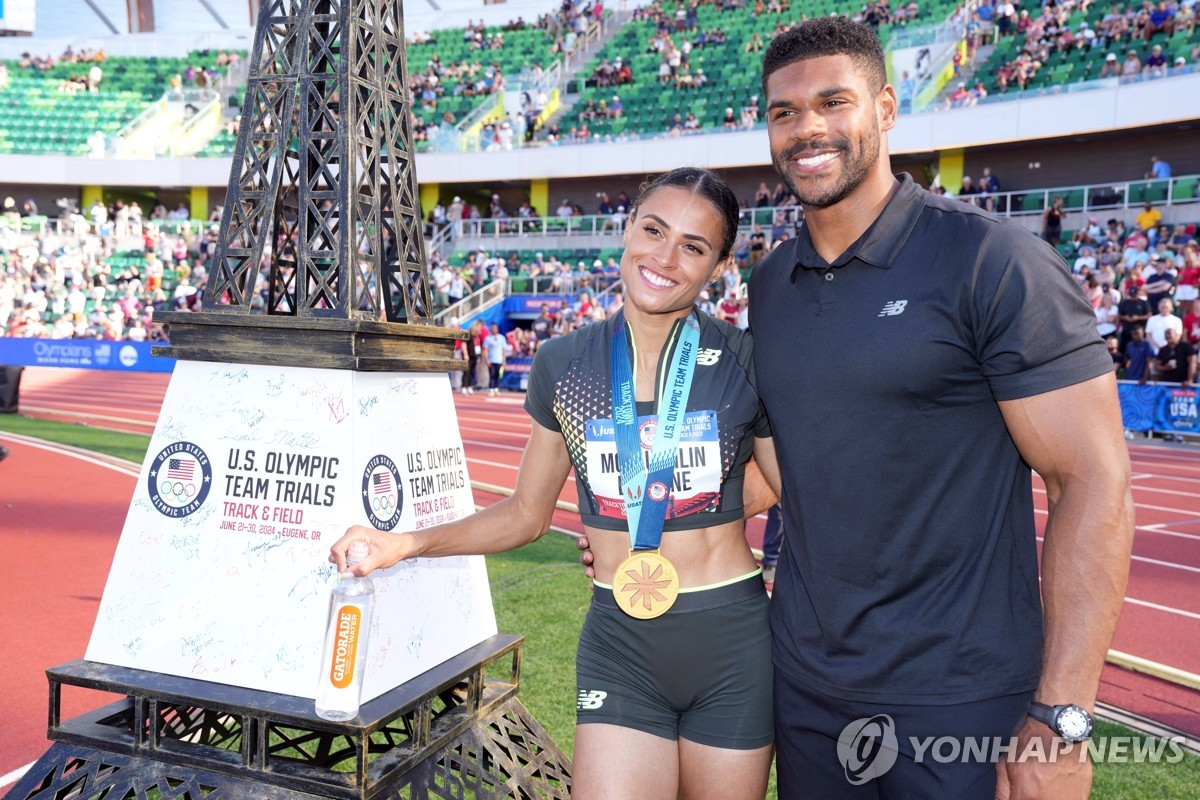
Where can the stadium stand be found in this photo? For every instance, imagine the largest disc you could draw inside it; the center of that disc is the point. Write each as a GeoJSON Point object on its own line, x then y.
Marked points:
{"type": "Point", "coordinates": [455, 71]}
{"type": "Point", "coordinates": [1065, 44]}
{"type": "Point", "coordinates": [696, 68]}
{"type": "Point", "coordinates": [54, 105]}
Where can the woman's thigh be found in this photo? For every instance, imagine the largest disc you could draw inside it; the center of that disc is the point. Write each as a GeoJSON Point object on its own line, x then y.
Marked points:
{"type": "Point", "coordinates": [716, 773]}
{"type": "Point", "coordinates": [617, 763]}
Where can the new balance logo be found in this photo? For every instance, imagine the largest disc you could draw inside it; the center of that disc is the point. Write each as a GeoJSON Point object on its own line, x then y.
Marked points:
{"type": "Point", "coordinates": [708, 356]}
{"type": "Point", "coordinates": [590, 701]}
{"type": "Point", "coordinates": [893, 308]}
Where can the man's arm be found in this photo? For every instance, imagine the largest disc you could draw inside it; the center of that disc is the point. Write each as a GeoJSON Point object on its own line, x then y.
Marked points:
{"type": "Point", "coordinates": [1074, 439]}
{"type": "Point", "coordinates": [761, 484]}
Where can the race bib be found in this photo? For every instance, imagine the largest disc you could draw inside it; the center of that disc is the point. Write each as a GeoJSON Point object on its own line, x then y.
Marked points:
{"type": "Point", "coordinates": [696, 485]}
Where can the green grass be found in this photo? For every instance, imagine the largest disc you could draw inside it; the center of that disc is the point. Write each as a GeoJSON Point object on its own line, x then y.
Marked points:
{"type": "Point", "coordinates": [539, 592]}
{"type": "Point", "coordinates": [130, 446]}
{"type": "Point", "coordinates": [1129, 781]}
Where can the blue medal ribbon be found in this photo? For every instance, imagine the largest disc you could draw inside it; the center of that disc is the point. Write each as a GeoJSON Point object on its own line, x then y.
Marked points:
{"type": "Point", "coordinates": [647, 489]}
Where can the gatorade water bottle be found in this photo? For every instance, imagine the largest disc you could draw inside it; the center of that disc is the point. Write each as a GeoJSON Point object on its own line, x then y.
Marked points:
{"type": "Point", "coordinates": [345, 655]}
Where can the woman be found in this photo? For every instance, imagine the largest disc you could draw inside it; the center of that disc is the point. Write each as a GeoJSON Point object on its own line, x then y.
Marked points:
{"type": "Point", "coordinates": [1106, 315]}
{"type": "Point", "coordinates": [1052, 220]}
{"type": "Point", "coordinates": [1191, 322]}
{"type": "Point", "coordinates": [1187, 287]}
{"type": "Point", "coordinates": [682, 691]}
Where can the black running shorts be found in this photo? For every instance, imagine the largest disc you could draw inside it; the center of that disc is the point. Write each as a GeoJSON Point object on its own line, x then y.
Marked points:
{"type": "Point", "coordinates": [702, 671]}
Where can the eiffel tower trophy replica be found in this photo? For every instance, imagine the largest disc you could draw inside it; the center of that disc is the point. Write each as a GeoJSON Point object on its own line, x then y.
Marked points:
{"type": "Point", "coordinates": [310, 393]}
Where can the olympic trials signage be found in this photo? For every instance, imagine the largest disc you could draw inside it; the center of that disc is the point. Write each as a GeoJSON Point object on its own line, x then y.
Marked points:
{"type": "Point", "coordinates": [221, 572]}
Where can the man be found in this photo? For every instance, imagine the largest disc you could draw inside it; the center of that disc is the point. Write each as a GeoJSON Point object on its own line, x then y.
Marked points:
{"type": "Point", "coordinates": [758, 245]}
{"type": "Point", "coordinates": [1133, 311]}
{"type": "Point", "coordinates": [909, 583]}
{"type": "Point", "coordinates": [454, 215]}
{"type": "Point", "coordinates": [1159, 169]}
{"type": "Point", "coordinates": [1138, 357]}
{"type": "Point", "coordinates": [541, 325]}
{"type": "Point", "coordinates": [1148, 219]}
{"type": "Point", "coordinates": [1160, 282]}
{"type": "Point", "coordinates": [1176, 360]}
{"type": "Point", "coordinates": [1118, 360]}
{"type": "Point", "coordinates": [1158, 325]}
{"type": "Point", "coordinates": [496, 346]}
{"type": "Point", "coordinates": [442, 277]}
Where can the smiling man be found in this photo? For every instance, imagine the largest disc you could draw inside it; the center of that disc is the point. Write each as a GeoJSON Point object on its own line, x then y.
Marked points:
{"type": "Point", "coordinates": [907, 599]}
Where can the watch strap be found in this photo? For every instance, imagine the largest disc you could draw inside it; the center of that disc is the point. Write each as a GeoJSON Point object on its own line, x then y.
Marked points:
{"type": "Point", "coordinates": [1045, 714]}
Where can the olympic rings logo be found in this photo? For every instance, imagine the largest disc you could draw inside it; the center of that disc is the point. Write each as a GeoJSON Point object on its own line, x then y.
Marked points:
{"type": "Point", "coordinates": [383, 504]}
{"type": "Point", "coordinates": [177, 490]}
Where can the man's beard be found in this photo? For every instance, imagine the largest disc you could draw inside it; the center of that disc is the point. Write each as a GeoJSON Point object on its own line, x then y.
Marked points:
{"type": "Point", "coordinates": [856, 166]}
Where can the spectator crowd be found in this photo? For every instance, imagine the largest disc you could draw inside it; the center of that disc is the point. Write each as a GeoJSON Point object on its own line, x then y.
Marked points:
{"type": "Point", "coordinates": [103, 274]}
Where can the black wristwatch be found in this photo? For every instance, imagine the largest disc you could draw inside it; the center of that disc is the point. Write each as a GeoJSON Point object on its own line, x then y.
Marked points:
{"type": "Point", "coordinates": [1072, 723]}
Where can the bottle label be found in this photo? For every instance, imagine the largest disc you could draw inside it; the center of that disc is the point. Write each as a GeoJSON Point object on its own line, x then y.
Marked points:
{"type": "Point", "coordinates": [345, 646]}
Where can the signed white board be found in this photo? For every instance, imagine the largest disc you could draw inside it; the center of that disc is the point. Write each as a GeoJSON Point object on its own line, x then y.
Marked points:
{"type": "Point", "coordinates": [221, 572]}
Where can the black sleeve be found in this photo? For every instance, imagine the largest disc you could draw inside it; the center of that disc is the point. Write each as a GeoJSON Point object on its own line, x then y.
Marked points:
{"type": "Point", "coordinates": [539, 399]}
{"type": "Point", "coordinates": [743, 349]}
{"type": "Point", "coordinates": [1034, 330]}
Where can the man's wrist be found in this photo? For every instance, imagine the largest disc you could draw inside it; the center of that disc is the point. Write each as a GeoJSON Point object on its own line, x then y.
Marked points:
{"type": "Point", "coordinates": [1071, 722]}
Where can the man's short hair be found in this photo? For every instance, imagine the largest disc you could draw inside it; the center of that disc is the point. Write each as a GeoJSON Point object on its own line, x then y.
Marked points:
{"type": "Point", "coordinates": [828, 36]}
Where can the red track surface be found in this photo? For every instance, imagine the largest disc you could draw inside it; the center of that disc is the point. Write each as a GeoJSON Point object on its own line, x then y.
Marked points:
{"type": "Point", "coordinates": [78, 520]}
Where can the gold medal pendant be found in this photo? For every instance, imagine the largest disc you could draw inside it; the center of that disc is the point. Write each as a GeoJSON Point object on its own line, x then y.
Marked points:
{"type": "Point", "coordinates": [646, 584]}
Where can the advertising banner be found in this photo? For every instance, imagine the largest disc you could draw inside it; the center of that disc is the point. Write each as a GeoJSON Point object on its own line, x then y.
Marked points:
{"type": "Point", "coordinates": [1164, 408]}
{"type": "Point", "coordinates": [84, 353]}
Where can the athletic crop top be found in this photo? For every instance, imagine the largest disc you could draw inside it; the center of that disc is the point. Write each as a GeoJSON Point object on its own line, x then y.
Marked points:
{"type": "Point", "coordinates": [570, 391]}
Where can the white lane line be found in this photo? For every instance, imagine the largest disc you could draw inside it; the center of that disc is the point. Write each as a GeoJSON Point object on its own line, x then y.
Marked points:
{"type": "Point", "coordinates": [15, 775]}
{"type": "Point", "coordinates": [496, 446]}
{"type": "Point", "coordinates": [1183, 512]}
{"type": "Point", "coordinates": [1160, 477]}
{"type": "Point", "coordinates": [514, 434]}
{"type": "Point", "coordinates": [62, 412]}
{"type": "Point", "coordinates": [1141, 465]}
{"type": "Point", "coordinates": [490, 463]}
{"type": "Point", "coordinates": [38, 444]}
{"type": "Point", "coordinates": [1154, 561]}
{"type": "Point", "coordinates": [1160, 529]}
{"type": "Point", "coordinates": [1164, 491]}
{"type": "Point", "coordinates": [1157, 607]}
{"type": "Point", "coordinates": [491, 421]}
{"type": "Point", "coordinates": [1171, 454]}
{"type": "Point", "coordinates": [1155, 528]}
{"type": "Point", "coordinates": [121, 397]}
{"type": "Point", "coordinates": [1170, 564]}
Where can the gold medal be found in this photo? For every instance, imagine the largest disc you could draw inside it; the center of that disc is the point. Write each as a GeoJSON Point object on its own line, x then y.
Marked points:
{"type": "Point", "coordinates": [646, 584]}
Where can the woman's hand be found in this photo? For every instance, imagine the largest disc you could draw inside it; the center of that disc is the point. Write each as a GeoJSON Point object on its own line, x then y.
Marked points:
{"type": "Point", "coordinates": [384, 549]}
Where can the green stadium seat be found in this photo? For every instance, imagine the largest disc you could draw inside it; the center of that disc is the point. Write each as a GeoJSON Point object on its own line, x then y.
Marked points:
{"type": "Point", "coordinates": [1184, 190]}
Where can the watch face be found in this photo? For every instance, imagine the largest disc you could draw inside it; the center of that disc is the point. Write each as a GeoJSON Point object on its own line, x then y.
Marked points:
{"type": "Point", "coordinates": [1073, 723]}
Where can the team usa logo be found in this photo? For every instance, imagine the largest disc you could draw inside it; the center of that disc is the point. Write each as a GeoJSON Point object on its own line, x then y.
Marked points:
{"type": "Point", "coordinates": [646, 433]}
{"type": "Point", "coordinates": [657, 491]}
{"type": "Point", "coordinates": [382, 494]}
{"type": "Point", "coordinates": [179, 479]}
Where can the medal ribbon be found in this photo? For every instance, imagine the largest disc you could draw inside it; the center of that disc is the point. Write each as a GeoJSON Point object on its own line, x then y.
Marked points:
{"type": "Point", "coordinates": [647, 515]}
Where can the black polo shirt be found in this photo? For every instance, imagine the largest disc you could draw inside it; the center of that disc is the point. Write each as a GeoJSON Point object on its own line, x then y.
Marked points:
{"type": "Point", "coordinates": [910, 573]}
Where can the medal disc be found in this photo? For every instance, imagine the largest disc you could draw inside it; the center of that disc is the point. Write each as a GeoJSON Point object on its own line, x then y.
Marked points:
{"type": "Point", "coordinates": [646, 584]}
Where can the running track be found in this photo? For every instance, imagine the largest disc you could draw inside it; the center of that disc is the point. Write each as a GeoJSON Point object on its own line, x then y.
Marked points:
{"type": "Point", "coordinates": [71, 507]}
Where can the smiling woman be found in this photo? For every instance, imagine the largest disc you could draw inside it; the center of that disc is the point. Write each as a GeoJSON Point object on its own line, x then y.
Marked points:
{"type": "Point", "coordinates": [657, 411]}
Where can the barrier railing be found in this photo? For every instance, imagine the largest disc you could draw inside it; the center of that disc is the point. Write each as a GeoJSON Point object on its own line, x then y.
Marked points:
{"type": "Point", "coordinates": [1112, 196]}
{"type": "Point", "coordinates": [473, 303]}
